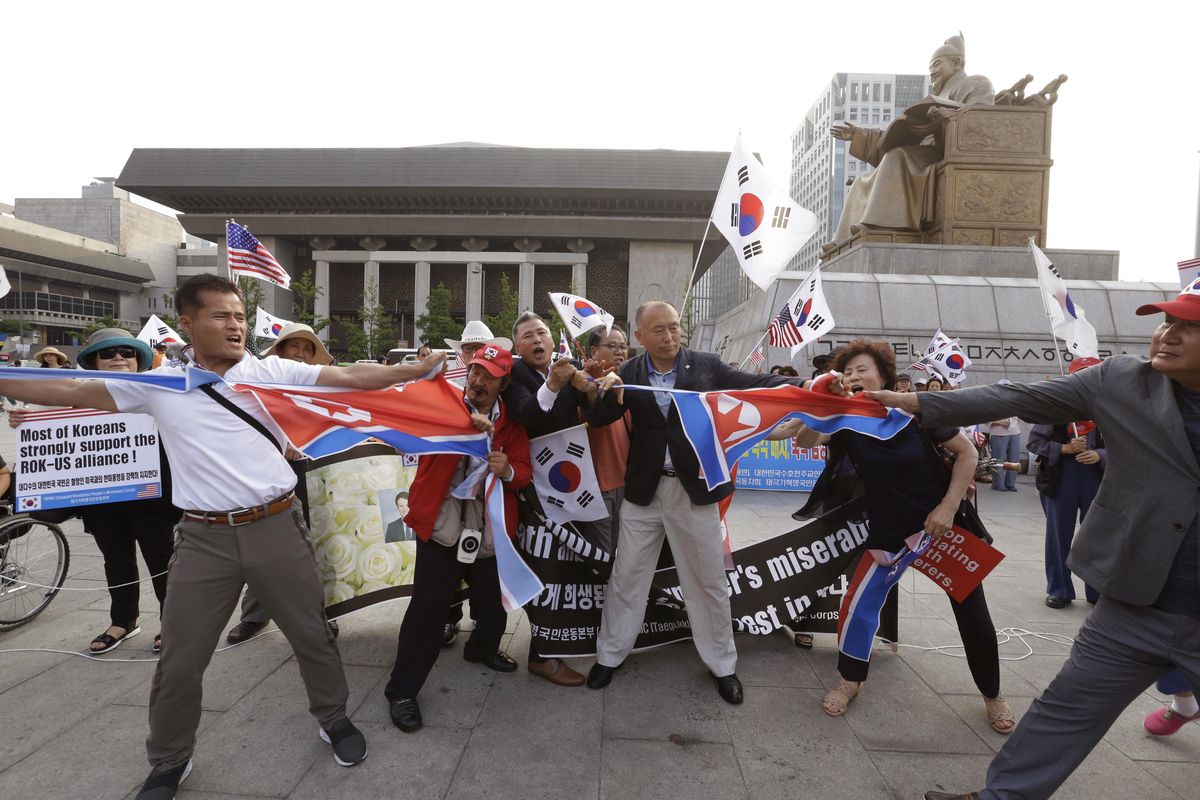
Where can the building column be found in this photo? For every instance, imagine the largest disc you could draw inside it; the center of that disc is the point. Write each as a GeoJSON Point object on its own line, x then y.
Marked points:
{"type": "Point", "coordinates": [420, 284]}
{"type": "Point", "coordinates": [370, 268]}
{"type": "Point", "coordinates": [474, 278]}
{"type": "Point", "coordinates": [525, 272]}
{"type": "Point", "coordinates": [579, 270]}
{"type": "Point", "coordinates": [321, 280]}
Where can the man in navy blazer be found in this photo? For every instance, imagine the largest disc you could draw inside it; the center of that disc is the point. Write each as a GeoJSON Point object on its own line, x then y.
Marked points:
{"type": "Point", "coordinates": [665, 496]}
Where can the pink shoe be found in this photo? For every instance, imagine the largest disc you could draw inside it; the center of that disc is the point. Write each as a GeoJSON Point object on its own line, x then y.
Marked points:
{"type": "Point", "coordinates": [1164, 721]}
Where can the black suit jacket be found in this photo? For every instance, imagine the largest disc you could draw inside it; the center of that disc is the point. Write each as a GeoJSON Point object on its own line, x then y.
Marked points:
{"type": "Point", "coordinates": [652, 434]}
{"type": "Point", "coordinates": [520, 398]}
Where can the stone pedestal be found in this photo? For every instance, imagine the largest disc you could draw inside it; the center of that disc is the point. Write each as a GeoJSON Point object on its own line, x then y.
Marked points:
{"type": "Point", "coordinates": [879, 258]}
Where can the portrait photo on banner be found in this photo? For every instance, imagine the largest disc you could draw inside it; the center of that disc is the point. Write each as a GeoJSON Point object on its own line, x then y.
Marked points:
{"type": "Point", "coordinates": [365, 552]}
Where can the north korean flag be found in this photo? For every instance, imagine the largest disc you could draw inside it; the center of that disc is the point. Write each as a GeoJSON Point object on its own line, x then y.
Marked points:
{"type": "Point", "coordinates": [426, 416]}
{"type": "Point", "coordinates": [723, 426]}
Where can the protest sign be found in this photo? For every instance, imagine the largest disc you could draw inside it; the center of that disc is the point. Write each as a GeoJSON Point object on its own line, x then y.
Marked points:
{"type": "Point", "coordinates": [958, 562]}
{"type": "Point", "coordinates": [781, 466]}
{"type": "Point", "coordinates": [796, 579]}
{"type": "Point", "coordinates": [79, 457]}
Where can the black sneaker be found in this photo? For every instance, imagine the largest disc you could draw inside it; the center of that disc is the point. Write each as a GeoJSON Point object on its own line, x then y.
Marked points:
{"type": "Point", "coordinates": [164, 785]}
{"type": "Point", "coordinates": [349, 745]}
{"type": "Point", "coordinates": [449, 634]}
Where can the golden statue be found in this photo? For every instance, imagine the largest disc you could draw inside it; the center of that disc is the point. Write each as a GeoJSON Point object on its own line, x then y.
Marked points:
{"type": "Point", "coordinates": [899, 193]}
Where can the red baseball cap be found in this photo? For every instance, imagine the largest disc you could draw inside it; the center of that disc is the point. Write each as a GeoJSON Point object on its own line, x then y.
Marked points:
{"type": "Point", "coordinates": [1082, 362]}
{"type": "Point", "coordinates": [1186, 306]}
{"type": "Point", "coordinates": [495, 359]}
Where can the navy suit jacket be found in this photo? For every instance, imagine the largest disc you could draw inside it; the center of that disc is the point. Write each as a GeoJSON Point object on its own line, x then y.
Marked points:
{"type": "Point", "coordinates": [652, 433]}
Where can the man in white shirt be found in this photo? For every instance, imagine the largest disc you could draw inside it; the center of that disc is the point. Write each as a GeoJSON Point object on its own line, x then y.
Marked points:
{"type": "Point", "coordinates": [241, 525]}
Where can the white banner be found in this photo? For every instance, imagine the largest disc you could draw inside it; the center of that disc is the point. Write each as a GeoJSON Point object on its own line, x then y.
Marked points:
{"type": "Point", "coordinates": [70, 457]}
{"type": "Point", "coordinates": [564, 477]}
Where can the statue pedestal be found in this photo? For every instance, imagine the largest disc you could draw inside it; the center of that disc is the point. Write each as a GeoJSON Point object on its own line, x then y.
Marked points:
{"type": "Point", "coordinates": [974, 261]}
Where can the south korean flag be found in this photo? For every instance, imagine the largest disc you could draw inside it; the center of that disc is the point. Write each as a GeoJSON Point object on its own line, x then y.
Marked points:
{"type": "Point", "coordinates": [564, 477]}
{"type": "Point", "coordinates": [267, 325]}
{"type": "Point", "coordinates": [155, 331]}
{"type": "Point", "coordinates": [810, 312]}
{"type": "Point", "coordinates": [949, 361]}
{"type": "Point", "coordinates": [579, 314]}
{"type": "Point", "coordinates": [764, 226]}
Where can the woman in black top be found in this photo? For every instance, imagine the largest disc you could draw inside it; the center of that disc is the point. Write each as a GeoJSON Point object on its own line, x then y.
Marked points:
{"type": "Point", "coordinates": [907, 492]}
{"type": "Point", "coordinates": [121, 528]}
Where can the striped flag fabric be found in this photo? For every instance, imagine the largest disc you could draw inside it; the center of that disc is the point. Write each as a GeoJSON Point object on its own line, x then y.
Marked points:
{"type": "Point", "coordinates": [246, 257]}
{"type": "Point", "coordinates": [1189, 272]}
{"type": "Point", "coordinates": [757, 356]}
{"type": "Point", "coordinates": [518, 583]}
{"type": "Point", "coordinates": [782, 331]}
{"type": "Point", "coordinates": [456, 373]}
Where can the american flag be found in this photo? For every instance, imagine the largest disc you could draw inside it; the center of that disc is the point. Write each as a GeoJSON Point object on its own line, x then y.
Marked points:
{"type": "Point", "coordinates": [757, 356]}
{"type": "Point", "coordinates": [1191, 262]}
{"type": "Point", "coordinates": [457, 372]}
{"type": "Point", "coordinates": [782, 331]}
{"type": "Point", "coordinates": [248, 257]}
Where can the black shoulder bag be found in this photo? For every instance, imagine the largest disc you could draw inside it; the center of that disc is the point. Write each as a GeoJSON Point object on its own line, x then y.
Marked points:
{"type": "Point", "coordinates": [967, 516]}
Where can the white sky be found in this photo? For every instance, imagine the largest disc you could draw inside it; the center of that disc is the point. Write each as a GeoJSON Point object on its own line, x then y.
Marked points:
{"type": "Point", "coordinates": [84, 83]}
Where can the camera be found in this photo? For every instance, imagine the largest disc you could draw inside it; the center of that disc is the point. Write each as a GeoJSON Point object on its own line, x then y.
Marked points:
{"type": "Point", "coordinates": [469, 542]}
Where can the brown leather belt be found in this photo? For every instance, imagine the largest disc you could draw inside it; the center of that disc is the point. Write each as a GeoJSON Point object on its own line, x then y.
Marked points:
{"type": "Point", "coordinates": [242, 516]}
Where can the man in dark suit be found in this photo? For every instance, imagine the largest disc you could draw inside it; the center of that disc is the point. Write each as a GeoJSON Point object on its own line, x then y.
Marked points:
{"type": "Point", "coordinates": [1138, 545]}
{"type": "Point", "coordinates": [545, 396]}
{"type": "Point", "coordinates": [666, 497]}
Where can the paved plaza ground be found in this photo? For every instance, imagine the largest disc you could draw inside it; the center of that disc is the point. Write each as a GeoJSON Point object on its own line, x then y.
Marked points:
{"type": "Point", "coordinates": [74, 728]}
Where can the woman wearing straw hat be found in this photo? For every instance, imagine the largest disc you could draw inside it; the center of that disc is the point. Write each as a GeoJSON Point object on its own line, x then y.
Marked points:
{"type": "Point", "coordinates": [299, 342]}
{"type": "Point", "coordinates": [53, 357]}
{"type": "Point", "coordinates": [121, 528]}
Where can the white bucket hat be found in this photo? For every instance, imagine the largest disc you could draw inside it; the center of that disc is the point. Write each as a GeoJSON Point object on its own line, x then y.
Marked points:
{"type": "Point", "coordinates": [298, 330]}
{"type": "Point", "coordinates": [476, 332]}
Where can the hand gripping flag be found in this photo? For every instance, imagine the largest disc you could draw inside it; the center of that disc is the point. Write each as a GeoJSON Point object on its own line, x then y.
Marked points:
{"type": "Point", "coordinates": [268, 326]}
{"type": "Point", "coordinates": [723, 426]}
{"type": "Point", "coordinates": [419, 417]}
{"type": "Point", "coordinates": [246, 257]}
{"type": "Point", "coordinates": [518, 583]}
{"type": "Point", "coordinates": [1067, 320]}
{"type": "Point", "coordinates": [764, 226]}
{"type": "Point", "coordinates": [155, 331]}
{"type": "Point", "coordinates": [564, 477]}
{"type": "Point", "coordinates": [810, 314]}
{"type": "Point", "coordinates": [579, 314]}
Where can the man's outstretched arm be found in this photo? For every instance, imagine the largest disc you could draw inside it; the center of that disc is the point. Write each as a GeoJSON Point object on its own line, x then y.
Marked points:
{"type": "Point", "coordinates": [70, 393]}
{"type": "Point", "coordinates": [377, 376]}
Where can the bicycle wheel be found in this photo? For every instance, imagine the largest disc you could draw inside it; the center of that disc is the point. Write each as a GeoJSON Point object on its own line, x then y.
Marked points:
{"type": "Point", "coordinates": [34, 557]}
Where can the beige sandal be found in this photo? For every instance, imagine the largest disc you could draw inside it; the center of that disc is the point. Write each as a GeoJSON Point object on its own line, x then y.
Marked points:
{"type": "Point", "coordinates": [839, 698]}
{"type": "Point", "coordinates": [999, 715]}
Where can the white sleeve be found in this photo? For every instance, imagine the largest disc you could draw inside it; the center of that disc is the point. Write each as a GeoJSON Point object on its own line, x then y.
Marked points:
{"type": "Point", "coordinates": [284, 370]}
{"type": "Point", "coordinates": [546, 397]}
{"type": "Point", "coordinates": [130, 397]}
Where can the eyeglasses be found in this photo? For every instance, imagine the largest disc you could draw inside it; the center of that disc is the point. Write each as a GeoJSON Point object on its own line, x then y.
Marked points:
{"type": "Point", "coordinates": [617, 348]}
{"type": "Point", "coordinates": [124, 351]}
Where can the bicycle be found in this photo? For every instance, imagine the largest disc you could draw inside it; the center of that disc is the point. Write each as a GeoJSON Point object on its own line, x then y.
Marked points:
{"type": "Point", "coordinates": [34, 557]}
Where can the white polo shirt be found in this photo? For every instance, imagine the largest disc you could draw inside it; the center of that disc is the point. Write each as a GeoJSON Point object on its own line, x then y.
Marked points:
{"type": "Point", "coordinates": [218, 462]}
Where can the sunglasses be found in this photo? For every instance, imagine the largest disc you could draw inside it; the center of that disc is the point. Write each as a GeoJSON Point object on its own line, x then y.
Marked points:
{"type": "Point", "coordinates": [124, 351]}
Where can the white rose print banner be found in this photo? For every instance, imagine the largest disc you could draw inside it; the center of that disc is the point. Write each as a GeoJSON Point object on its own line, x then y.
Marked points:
{"type": "Point", "coordinates": [362, 559]}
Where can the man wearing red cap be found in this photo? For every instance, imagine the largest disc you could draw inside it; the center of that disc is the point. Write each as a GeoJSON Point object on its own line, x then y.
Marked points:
{"type": "Point", "coordinates": [1139, 545]}
{"type": "Point", "coordinates": [446, 527]}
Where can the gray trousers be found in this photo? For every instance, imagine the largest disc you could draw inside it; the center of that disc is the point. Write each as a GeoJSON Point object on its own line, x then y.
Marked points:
{"type": "Point", "coordinates": [695, 536]}
{"type": "Point", "coordinates": [211, 563]}
{"type": "Point", "coordinates": [1119, 652]}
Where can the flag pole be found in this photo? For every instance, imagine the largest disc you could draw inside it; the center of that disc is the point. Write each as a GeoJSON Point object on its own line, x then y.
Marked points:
{"type": "Point", "coordinates": [1053, 336]}
{"type": "Point", "coordinates": [696, 264]}
{"type": "Point", "coordinates": [752, 349]}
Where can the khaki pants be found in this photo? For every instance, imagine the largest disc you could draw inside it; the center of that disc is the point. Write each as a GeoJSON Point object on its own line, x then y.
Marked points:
{"type": "Point", "coordinates": [211, 563]}
{"type": "Point", "coordinates": [695, 536]}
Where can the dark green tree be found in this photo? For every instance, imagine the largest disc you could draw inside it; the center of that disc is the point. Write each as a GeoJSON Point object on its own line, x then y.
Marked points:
{"type": "Point", "coordinates": [436, 324]}
{"type": "Point", "coordinates": [510, 308]}
{"type": "Point", "coordinates": [169, 314]}
{"type": "Point", "coordinates": [305, 293]}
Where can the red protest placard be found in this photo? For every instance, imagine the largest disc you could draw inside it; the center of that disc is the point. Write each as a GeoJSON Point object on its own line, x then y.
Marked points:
{"type": "Point", "coordinates": [958, 562]}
